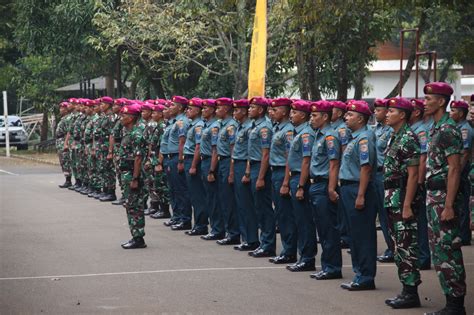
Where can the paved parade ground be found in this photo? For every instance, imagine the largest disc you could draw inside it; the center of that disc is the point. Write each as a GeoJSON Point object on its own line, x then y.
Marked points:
{"type": "Point", "coordinates": [60, 254]}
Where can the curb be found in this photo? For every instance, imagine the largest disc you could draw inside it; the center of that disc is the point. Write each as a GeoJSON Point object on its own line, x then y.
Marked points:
{"type": "Point", "coordinates": [34, 159]}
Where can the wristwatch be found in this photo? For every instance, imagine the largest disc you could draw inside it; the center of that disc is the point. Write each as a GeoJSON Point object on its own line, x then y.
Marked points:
{"type": "Point", "coordinates": [247, 175]}
{"type": "Point", "coordinates": [210, 172]}
{"type": "Point", "coordinates": [299, 187]}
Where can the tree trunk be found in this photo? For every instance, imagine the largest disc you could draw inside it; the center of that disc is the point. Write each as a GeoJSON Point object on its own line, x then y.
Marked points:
{"type": "Point", "coordinates": [445, 71]}
{"type": "Point", "coordinates": [315, 93]}
{"type": "Point", "coordinates": [109, 85]}
{"type": "Point", "coordinates": [343, 82]}
{"type": "Point", "coordinates": [44, 126]}
{"type": "Point", "coordinates": [301, 69]}
{"type": "Point", "coordinates": [118, 72]}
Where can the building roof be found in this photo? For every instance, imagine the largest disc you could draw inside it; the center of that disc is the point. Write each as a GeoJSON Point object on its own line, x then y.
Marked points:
{"type": "Point", "coordinates": [99, 84]}
{"type": "Point", "coordinates": [394, 65]}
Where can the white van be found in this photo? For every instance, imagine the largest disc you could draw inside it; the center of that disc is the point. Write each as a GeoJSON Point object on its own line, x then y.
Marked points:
{"type": "Point", "coordinates": [18, 135]}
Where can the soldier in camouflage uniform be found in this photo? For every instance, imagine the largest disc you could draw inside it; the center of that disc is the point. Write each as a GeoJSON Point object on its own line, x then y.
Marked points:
{"type": "Point", "coordinates": [77, 148]}
{"type": "Point", "coordinates": [74, 114]}
{"type": "Point", "coordinates": [114, 143]}
{"type": "Point", "coordinates": [61, 132]}
{"type": "Point", "coordinates": [443, 172]}
{"type": "Point", "coordinates": [400, 179]}
{"type": "Point", "coordinates": [131, 151]}
{"type": "Point", "coordinates": [105, 166]}
{"type": "Point", "coordinates": [80, 134]}
{"type": "Point", "coordinates": [94, 180]}
{"type": "Point", "coordinates": [149, 126]}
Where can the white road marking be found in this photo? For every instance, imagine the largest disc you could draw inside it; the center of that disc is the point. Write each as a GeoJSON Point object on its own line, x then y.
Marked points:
{"type": "Point", "coordinates": [9, 173]}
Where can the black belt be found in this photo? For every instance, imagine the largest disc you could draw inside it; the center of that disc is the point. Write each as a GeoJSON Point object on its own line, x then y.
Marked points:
{"type": "Point", "coordinates": [189, 156]}
{"type": "Point", "coordinates": [380, 169]}
{"type": "Point", "coordinates": [239, 160]}
{"type": "Point", "coordinates": [394, 184]}
{"type": "Point", "coordinates": [275, 168]}
{"type": "Point", "coordinates": [317, 179]}
{"type": "Point", "coordinates": [436, 184]}
{"type": "Point", "coordinates": [172, 155]}
{"type": "Point", "coordinates": [348, 182]}
{"type": "Point", "coordinates": [294, 173]}
{"type": "Point", "coordinates": [205, 157]}
{"type": "Point", "coordinates": [252, 162]}
{"type": "Point", "coordinates": [222, 157]}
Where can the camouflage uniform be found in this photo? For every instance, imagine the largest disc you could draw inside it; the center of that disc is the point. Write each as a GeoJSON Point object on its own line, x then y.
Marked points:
{"type": "Point", "coordinates": [94, 180]}
{"type": "Point", "coordinates": [64, 156]}
{"type": "Point", "coordinates": [445, 241]}
{"type": "Point", "coordinates": [105, 167]}
{"type": "Point", "coordinates": [131, 146]}
{"type": "Point", "coordinates": [81, 144]}
{"type": "Point", "coordinates": [72, 152]}
{"type": "Point", "coordinates": [402, 151]}
{"type": "Point", "coordinates": [147, 168]}
{"type": "Point", "coordinates": [77, 147]}
{"type": "Point", "coordinates": [117, 131]}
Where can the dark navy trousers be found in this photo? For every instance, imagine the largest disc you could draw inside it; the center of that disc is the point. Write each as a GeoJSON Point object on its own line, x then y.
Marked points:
{"type": "Point", "coordinates": [197, 194]}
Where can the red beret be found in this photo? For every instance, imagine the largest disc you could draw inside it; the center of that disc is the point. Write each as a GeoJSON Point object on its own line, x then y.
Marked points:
{"type": "Point", "coordinates": [243, 103]}
{"type": "Point", "coordinates": [87, 102]}
{"type": "Point", "coordinates": [72, 100]}
{"type": "Point", "coordinates": [63, 104]}
{"type": "Point", "coordinates": [282, 101]}
{"type": "Point", "coordinates": [459, 104]}
{"type": "Point", "coordinates": [107, 99]}
{"type": "Point", "coordinates": [161, 101]}
{"type": "Point", "coordinates": [120, 101]}
{"type": "Point", "coordinates": [261, 101]}
{"type": "Point", "coordinates": [158, 108]}
{"type": "Point", "coordinates": [380, 102]}
{"type": "Point", "coordinates": [322, 106]}
{"type": "Point", "coordinates": [195, 101]}
{"type": "Point", "coordinates": [301, 105]}
{"type": "Point", "coordinates": [400, 103]}
{"type": "Point", "coordinates": [133, 109]}
{"type": "Point", "coordinates": [96, 101]}
{"type": "Point", "coordinates": [360, 107]}
{"type": "Point", "coordinates": [440, 88]}
{"type": "Point", "coordinates": [223, 101]}
{"type": "Point", "coordinates": [418, 104]}
{"type": "Point", "coordinates": [209, 102]}
{"type": "Point", "coordinates": [339, 104]}
{"type": "Point", "coordinates": [147, 106]}
{"type": "Point", "coordinates": [180, 100]}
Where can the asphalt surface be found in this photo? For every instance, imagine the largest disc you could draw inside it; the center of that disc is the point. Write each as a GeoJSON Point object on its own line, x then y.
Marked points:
{"type": "Point", "coordinates": [60, 254]}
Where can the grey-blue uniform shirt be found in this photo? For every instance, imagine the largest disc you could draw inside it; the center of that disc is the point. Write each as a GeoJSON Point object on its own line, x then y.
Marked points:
{"type": "Point", "coordinates": [164, 138]}
{"type": "Point", "coordinates": [193, 136]}
{"type": "Point", "coordinates": [419, 129]}
{"type": "Point", "coordinates": [343, 132]}
{"type": "Point", "coordinates": [360, 151]}
{"type": "Point", "coordinates": [281, 141]}
{"type": "Point", "coordinates": [241, 145]}
{"type": "Point", "coordinates": [382, 136]}
{"type": "Point", "coordinates": [466, 133]}
{"type": "Point", "coordinates": [178, 130]}
{"type": "Point", "coordinates": [226, 137]}
{"type": "Point", "coordinates": [260, 138]}
{"type": "Point", "coordinates": [209, 136]}
{"type": "Point", "coordinates": [301, 146]}
{"type": "Point", "coordinates": [326, 147]}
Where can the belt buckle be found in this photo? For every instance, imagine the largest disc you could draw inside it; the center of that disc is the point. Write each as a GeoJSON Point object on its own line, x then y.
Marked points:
{"type": "Point", "coordinates": [312, 181]}
{"type": "Point", "coordinates": [290, 173]}
{"type": "Point", "coordinates": [218, 158]}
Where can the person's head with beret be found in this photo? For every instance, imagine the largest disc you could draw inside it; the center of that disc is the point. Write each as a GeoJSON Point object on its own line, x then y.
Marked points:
{"type": "Point", "coordinates": [358, 114]}
{"type": "Point", "coordinates": [380, 110]}
{"type": "Point", "coordinates": [224, 107]}
{"type": "Point", "coordinates": [398, 112]}
{"type": "Point", "coordinates": [459, 110]}
{"type": "Point", "coordinates": [157, 112]}
{"type": "Point", "coordinates": [241, 108]}
{"type": "Point", "coordinates": [437, 97]}
{"type": "Point", "coordinates": [106, 103]}
{"type": "Point", "coordinates": [321, 113]}
{"type": "Point", "coordinates": [63, 108]}
{"type": "Point", "coordinates": [300, 112]}
{"type": "Point", "coordinates": [179, 105]}
{"type": "Point", "coordinates": [418, 110]}
{"type": "Point", "coordinates": [208, 109]}
{"type": "Point", "coordinates": [280, 109]}
{"type": "Point", "coordinates": [338, 110]}
{"type": "Point", "coordinates": [258, 107]}
{"type": "Point", "coordinates": [194, 108]}
{"type": "Point", "coordinates": [147, 108]}
{"type": "Point", "coordinates": [130, 115]}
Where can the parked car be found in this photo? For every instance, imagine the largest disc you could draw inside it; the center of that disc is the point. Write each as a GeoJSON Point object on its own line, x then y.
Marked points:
{"type": "Point", "coordinates": [18, 134]}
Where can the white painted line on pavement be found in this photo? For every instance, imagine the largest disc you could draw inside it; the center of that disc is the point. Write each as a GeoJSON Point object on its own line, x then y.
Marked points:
{"type": "Point", "coordinates": [169, 271]}
{"type": "Point", "coordinates": [9, 173]}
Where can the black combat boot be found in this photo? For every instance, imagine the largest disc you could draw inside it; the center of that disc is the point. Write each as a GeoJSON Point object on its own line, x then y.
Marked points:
{"type": "Point", "coordinates": [76, 185]}
{"type": "Point", "coordinates": [454, 306]}
{"type": "Point", "coordinates": [100, 194]}
{"type": "Point", "coordinates": [407, 299]}
{"type": "Point", "coordinates": [136, 242]}
{"type": "Point", "coordinates": [81, 187]}
{"type": "Point", "coordinates": [119, 202]}
{"type": "Point", "coordinates": [94, 192]}
{"type": "Point", "coordinates": [163, 213]}
{"type": "Point", "coordinates": [110, 196]}
{"type": "Point", "coordinates": [154, 207]}
{"type": "Point", "coordinates": [67, 183]}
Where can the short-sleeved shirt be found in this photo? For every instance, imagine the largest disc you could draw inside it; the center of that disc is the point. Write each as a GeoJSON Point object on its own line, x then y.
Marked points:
{"type": "Point", "coordinates": [260, 138]}
{"type": "Point", "coordinates": [403, 150]}
{"type": "Point", "coordinates": [281, 141]}
{"type": "Point", "coordinates": [241, 145]}
{"type": "Point", "coordinates": [226, 136]}
{"type": "Point", "coordinates": [382, 135]}
{"type": "Point", "coordinates": [343, 132]}
{"type": "Point", "coordinates": [301, 146]}
{"type": "Point", "coordinates": [419, 129]}
{"type": "Point", "coordinates": [326, 147]}
{"type": "Point", "coordinates": [166, 135]}
{"type": "Point", "coordinates": [193, 136]}
{"type": "Point", "coordinates": [445, 140]}
{"type": "Point", "coordinates": [178, 130]}
{"type": "Point", "coordinates": [360, 151]}
{"type": "Point", "coordinates": [210, 132]}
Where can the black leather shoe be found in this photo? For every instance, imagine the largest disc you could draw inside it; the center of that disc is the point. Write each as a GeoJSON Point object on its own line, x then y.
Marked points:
{"type": "Point", "coordinates": [84, 190]}
{"type": "Point", "coordinates": [322, 275]}
{"type": "Point", "coordinates": [405, 301]}
{"type": "Point", "coordinates": [100, 195]}
{"type": "Point", "coordinates": [344, 245]}
{"type": "Point", "coordinates": [228, 241]}
{"type": "Point", "coordinates": [80, 188]}
{"type": "Point", "coordinates": [385, 259]}
{"type": "Point", "coordinates": [161, 215]}
{"type": "Point", "coordinates": [244, 247]}
{"type": "Point", "coordinates": [136, 242]}
{"type": "Point", "coordinates": [298, 267]}
{"type": "Point", "coordinates": [353, 286]}
{"type": "Point", "coordinates": [283, 259]}
{"type": "Point", "coordinates": [260, 253]}
{"type": "Point", "coordinates": [181, 226]}
{"type": "Point", "coordinates": [170, 223]}
{"type": "Point", "coordinates": [212, 237]}
{"type": "Point", "coordinates": [194, 232]}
